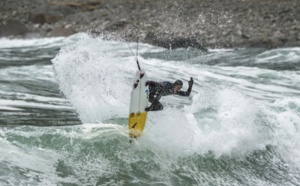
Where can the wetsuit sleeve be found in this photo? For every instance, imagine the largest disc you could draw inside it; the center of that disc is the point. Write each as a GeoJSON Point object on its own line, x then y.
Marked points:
{"type": "Point", "coordinates": [152, 83]}
{"type": "Point", "coordinates": [158, 93]}
{"type": "Point", "coordinates": [185, 93]}
{"type": "Point", "coordinates": [155, 90]}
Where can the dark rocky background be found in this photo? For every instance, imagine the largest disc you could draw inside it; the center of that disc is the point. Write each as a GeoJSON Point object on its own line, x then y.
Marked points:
{"type": "Point", "coordinates": [167, 23]}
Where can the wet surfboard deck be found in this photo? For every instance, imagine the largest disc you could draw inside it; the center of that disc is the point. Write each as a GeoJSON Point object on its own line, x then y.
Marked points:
{"type": "Point", "coordinates": [138, 102]}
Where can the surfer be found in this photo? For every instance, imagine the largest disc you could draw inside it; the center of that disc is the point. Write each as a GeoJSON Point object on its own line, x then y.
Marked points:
{"type": "Point", "coordinates": [159, 89]}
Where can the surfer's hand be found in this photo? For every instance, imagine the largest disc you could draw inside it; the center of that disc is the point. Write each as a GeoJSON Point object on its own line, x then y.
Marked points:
{"type": "Point", "coordinates": [191, 82]}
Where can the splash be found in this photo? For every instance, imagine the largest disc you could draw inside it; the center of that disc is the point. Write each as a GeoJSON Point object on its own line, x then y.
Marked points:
{"type": "Point", "coordinates": [96, 83]}
{"type": "Point", "coordinates": [95, 75]}
{"type": "Point", "coordinates": [226, 122]}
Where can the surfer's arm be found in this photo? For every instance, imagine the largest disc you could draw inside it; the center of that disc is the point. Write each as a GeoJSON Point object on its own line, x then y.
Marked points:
{"type": "Point", "coordinates": [189, 90]}
{"type": "Point", "coordinates": [156, 89]}
{"type": "Point", "coordinates": [152, 83]}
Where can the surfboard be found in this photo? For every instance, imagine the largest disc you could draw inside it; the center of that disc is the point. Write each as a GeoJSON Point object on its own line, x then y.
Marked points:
{"type": "Point", "coordinates": [138, 102]}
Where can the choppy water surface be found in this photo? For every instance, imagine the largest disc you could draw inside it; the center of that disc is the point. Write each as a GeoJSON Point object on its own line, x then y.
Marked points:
{"type": "Point", "coordinates": [64, 106]}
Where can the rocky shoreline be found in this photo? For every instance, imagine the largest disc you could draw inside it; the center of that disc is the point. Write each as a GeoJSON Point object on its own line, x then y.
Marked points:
{"type": "Point", "coordinates": [166, 23]}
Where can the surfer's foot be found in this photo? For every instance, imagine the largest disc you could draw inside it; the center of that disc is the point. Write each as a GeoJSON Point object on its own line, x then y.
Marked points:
{"type": "Point", "coordinates": [147, 109]}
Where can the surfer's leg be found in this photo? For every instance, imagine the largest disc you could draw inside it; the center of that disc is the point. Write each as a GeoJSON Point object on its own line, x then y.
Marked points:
{"type": "Point", "coordinates": [151, 100]}
{"type": "Point", "coordinates": [158, 106]}
{"type": "Point", "coordinates": [155, 106]}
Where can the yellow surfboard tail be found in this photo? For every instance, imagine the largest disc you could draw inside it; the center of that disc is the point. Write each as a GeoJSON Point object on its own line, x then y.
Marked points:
{"type": "Point", "coordinates": [136, 124]}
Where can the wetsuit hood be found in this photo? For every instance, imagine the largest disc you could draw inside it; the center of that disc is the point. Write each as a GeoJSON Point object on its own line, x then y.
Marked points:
{"type": "Point", "coordinates": [178, 82]}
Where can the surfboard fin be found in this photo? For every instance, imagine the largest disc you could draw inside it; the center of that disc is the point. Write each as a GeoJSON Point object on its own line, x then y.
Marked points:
{"type": "Point", "coordinates": [131, 140]}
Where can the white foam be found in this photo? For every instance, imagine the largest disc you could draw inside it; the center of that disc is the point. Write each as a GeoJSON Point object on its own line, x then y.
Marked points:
{"type": "Point", "coordinates": [96, 76]}
{"type": "Point", "coordinates": [222, 116]}
{"type": "Point", "coordinates": [39, 42]}
{"type": "Point", "coordinates": [15, 43]}
{"type": "Point", "coordinates": [9, 108]}
{"type": "Point", "coordinates": [283, 55]}
{"type": "Point", "coordinates": [96, 82]}
{"type": "Point", "coordinates": [21, 103]}
{"type": "Point", "coordinates": [31, 73]}
{"type": "Point", "coordinates": [284, 118]}
{"type": "Point", "coordinates": [28, 153]}
{"type": "Point", "coordinates": [30, 161]}
{"type": "Point", "coordinates": [233, 131]}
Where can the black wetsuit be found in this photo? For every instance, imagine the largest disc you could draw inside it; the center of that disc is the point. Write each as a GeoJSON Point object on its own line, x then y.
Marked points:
{"type": "Point", "coordinates": [157, 90]}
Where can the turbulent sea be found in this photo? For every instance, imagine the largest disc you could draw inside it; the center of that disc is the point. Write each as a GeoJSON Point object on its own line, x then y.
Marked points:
{"type": "Point", "coordinates": [64, 104]}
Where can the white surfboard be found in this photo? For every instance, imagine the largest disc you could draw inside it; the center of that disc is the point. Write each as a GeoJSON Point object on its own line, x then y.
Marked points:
{"type": "Point", "coordinates": [138, 102]}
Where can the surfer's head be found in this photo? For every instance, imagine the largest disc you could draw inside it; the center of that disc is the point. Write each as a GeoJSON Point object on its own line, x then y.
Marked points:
{"type": "Point", "coordinates": [177, 85]}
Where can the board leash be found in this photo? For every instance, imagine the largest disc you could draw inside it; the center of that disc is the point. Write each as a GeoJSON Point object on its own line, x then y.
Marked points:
{"type": "Point", "coordinates": [137, 45]}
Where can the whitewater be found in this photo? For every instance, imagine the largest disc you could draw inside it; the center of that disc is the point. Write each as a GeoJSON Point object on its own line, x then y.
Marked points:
{"type": "Point", "coordinates": [64, 104]}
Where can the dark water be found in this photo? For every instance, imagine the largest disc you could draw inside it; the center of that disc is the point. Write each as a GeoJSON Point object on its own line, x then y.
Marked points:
{"type": "Point", "coordinates": [64, 106]}
{"type": "Point", "coordinates": [29, 93]}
